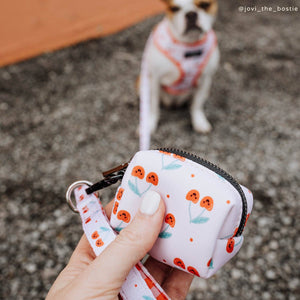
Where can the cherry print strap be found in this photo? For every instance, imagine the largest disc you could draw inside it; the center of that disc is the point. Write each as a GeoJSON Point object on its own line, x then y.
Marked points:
{"type": "Point", "coordinates": [139, 284]}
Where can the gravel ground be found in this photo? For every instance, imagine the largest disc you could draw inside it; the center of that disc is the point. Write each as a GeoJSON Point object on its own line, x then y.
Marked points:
{"type": "Point", "coordinates": [68, 115]}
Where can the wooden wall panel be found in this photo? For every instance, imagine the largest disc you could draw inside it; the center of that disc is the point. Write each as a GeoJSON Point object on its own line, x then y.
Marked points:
{"type": "Point", "coordinates": [31, 27]}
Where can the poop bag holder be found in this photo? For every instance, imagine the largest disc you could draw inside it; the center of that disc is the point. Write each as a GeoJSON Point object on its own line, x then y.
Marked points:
{"type": "Point", "coordinates": [206, 209]}
{"type": "Point", "coordinates": [206, 212]}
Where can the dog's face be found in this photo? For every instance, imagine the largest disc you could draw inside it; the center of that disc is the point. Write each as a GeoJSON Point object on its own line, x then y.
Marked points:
{"type": "Point", "coordinates": [190, 19]}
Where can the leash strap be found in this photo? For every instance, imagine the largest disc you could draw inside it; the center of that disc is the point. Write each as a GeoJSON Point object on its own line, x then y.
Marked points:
{"type": "Point", "coordinates": [139, 284]}
{"type": "Point", "coordinates": [144, 90]}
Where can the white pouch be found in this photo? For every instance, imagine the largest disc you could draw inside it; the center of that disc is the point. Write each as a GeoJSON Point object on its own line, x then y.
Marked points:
{"type": "Point", "coordinates": [206, 209]}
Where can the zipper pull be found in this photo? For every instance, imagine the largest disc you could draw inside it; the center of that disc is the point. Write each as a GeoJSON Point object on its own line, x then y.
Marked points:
{"type": "Point", "coordinates": [110, 177]}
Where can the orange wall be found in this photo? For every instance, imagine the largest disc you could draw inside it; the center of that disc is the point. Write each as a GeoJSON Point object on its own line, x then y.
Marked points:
{"type": "Point", "coordinates": [30, 27]}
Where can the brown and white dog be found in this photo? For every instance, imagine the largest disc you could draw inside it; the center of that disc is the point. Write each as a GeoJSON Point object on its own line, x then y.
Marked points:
{"type": "Point", "coordinates": [182, 56]}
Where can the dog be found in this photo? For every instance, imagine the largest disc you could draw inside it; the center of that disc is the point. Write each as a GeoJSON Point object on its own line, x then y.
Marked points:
{"type": "Point", "coordinates": [182, 56]}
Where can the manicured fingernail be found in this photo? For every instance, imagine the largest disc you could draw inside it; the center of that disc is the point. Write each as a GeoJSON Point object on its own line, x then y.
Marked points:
{"type": "Point", "coordinates": [150, 203]}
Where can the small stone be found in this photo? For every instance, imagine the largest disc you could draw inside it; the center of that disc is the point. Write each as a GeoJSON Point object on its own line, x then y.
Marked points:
{"type": "Point", "coordinates": [43, 226]}
{"type": "Point", "coordinates": [266, 295]}
{"type": "Point", "coordinates": [236, 274]}
{"type": "Point", "coordinates": [263, 222]}
{"type": "Point", "coordinates": [61, 220]}
{"type": "Point", "coordinates": [250, 251]}
{"type": "Point", "coordinates": [294, 284]}
{"type": "Point", "coordinates": [30, 268]}
{"type": "Point", "coordinates": [57, 213]}
{"type": "Point", "coordinates": [254, 278]}
{"type": "Point", "coordinates": [215, 288]}
{"type": "Point", "coordinates": [273, 245]}
{"type": "Point", "coordinates": [270, 274]}
{"type": "Point", "coordinates": [228, 66]}
{"type": "Point", "coordinates": [287, 220]}
{"type": "Point", "coordinates": [271, 256]}
{"type": "Point", "coordinates": [257, 240]}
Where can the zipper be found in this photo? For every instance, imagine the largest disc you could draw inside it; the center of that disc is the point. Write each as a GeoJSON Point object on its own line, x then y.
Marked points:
{"type": "Point", "coordinates": [116, 174]}
{"type": "Point", "coordinates": [221, 173]}
{"type": "Point", "coordinates": [110, 177]}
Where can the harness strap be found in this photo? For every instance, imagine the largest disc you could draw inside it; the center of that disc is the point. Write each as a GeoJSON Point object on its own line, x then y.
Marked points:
{"type": "Point", "coordinates": [139, 284]}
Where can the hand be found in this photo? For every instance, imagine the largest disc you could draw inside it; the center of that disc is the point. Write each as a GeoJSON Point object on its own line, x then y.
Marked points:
{"type": "Point", "coordinates": [88, 277]}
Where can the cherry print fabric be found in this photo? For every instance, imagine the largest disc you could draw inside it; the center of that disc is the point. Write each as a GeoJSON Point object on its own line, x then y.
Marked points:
{"type": "Point", "coordinates": [139, 284]}
{"type": "Point", "coordinates": [203, 210]}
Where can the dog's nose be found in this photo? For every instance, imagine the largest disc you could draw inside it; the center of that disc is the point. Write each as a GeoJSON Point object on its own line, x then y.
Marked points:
{"type": "Point", "coordinates": [191, 16]}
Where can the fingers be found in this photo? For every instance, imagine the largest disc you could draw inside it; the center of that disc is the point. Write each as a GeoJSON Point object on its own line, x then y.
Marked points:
{"type": "Point", "coordinates": [113, 265]}
{"type": "Point", "coordinates": [157, 269]}
{"type": "Point", "coordinates": [177, 284]}
{"type": "Point", "coordinates": [108, 208]}
{"type": "Point", "coordinates": [83, 254]}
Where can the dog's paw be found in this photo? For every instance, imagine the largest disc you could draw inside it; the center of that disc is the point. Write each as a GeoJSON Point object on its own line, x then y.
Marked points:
{"type": "Point", "coordinates": [200, 123]}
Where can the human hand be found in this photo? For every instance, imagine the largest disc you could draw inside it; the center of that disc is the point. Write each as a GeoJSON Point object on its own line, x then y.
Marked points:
{"type": "Point", "coordinates": [88, 277]}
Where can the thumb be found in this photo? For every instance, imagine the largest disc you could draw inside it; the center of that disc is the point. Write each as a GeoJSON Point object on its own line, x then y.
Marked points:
{"type": "Point", "coordinates": [130, 246]}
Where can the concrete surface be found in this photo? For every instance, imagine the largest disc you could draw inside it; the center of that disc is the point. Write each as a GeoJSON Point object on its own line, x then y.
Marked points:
{"type": "Point", "coordinates": [70, 114]}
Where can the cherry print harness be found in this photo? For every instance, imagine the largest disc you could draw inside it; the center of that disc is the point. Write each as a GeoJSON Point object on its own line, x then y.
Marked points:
{"type": "Point", "coordinates": [206, 212]}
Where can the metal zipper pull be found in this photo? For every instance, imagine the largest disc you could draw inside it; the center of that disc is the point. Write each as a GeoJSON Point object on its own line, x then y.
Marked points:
{"type": "Point", "coordinates": [110, 177]}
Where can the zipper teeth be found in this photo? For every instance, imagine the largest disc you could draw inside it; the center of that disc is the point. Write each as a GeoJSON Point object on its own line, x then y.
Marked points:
{"type": "Point", "coordinates": [220, 172]}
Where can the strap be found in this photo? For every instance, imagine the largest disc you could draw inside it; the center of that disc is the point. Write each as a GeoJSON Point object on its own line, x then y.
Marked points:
{"type": "Point", "coordinates": [139, 284]}
{"type": "Point", "coordinates": [144, 130]}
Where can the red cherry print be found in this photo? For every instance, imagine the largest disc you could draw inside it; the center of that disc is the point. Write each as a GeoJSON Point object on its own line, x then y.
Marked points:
{"type": "Point", "coordinates": [152, 178]}
{"type": "Point", "coordinates": [178, 262]}
{"type": "Point", "coordinates": [161, 297]}
{"type": "Point", "coordinates": [115, 207]}
{"type": "Point", "coordinates": [124, 215]}
{"type": "Point", "coordinates": [193, 195]}
{"type": "Point", "coordinates": [99, 243]}
{"type": "Point", "coordinates": [138, 171]}
{"type": "Point", "coordinates": [208, 263]}
{"type": "Point", "coordinates": [170, 219]}
{"type": "Point", "coordinates": [207, 202]}
{"type": "Point", "coordinates": [193, 271]}
{"type": "Point", "coordinates": [120, 193]}
{"type": "Point", "coordinates": [95, 235]}
{"type": "Point", "coordinates": [230, 245]}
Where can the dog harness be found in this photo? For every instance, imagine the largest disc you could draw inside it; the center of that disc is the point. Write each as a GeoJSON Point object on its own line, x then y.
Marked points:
{"type": "Point", "coordinates": [189, 58]}
{"type": "Point", "coordinates": [206, 212]}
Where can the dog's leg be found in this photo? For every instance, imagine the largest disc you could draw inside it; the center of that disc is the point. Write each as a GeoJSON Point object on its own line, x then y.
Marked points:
{"type": "Point", "coordinates": [199, 121]}
{"type": "Point", "coordinates": [154, 103]}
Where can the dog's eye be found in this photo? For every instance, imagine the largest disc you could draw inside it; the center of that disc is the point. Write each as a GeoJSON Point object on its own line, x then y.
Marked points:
{"type": "Point", "coordinates": [204, 5]}
{"type": "Point", "coordinates": [174, 8]}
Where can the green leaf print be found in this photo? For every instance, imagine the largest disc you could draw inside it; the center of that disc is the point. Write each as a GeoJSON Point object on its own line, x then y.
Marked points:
{"type": "Point", "coordinates": [199, 220]}
{"type": "Point", "coordinates": [134, 188]}
{"type": "Point", "coordinates": [164, 235]}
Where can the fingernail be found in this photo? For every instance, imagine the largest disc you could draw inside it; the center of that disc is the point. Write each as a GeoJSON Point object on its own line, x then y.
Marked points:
{"type": "Point", "coordinates": [150, 203]}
